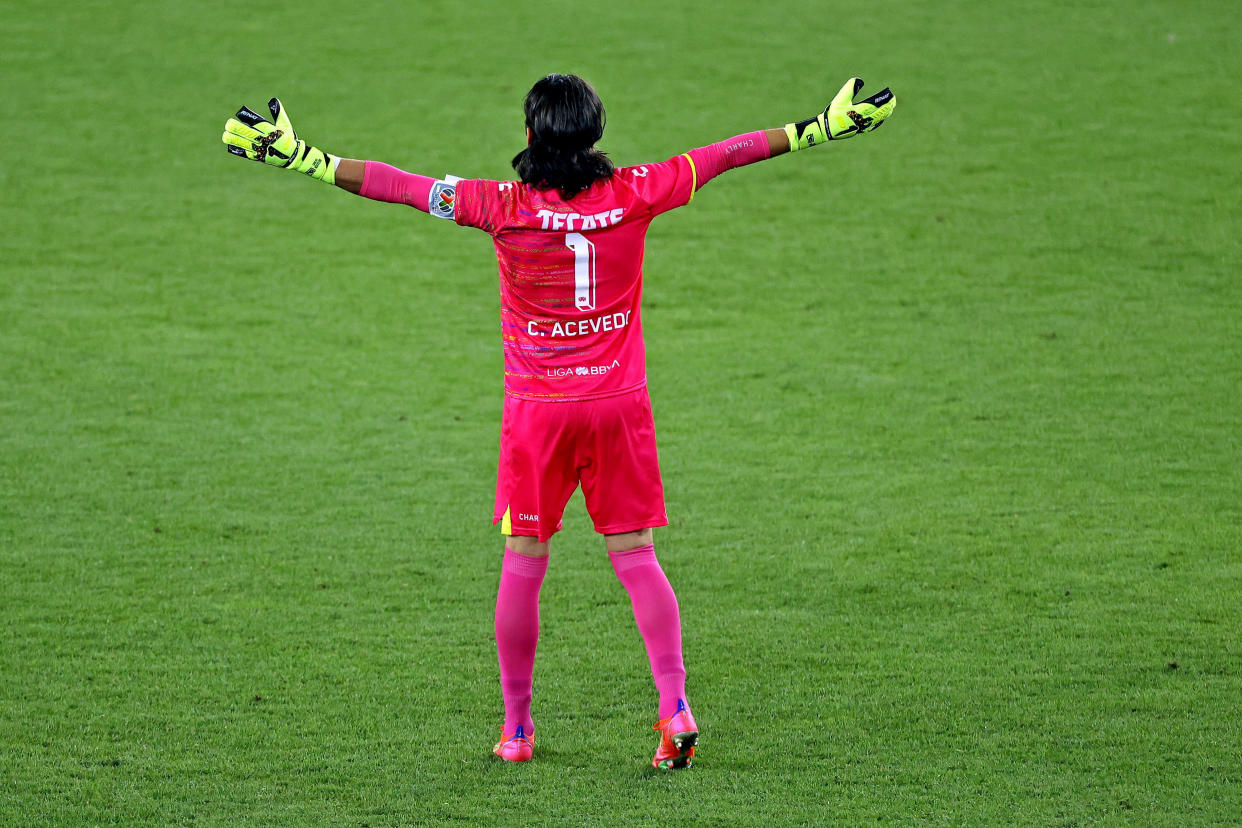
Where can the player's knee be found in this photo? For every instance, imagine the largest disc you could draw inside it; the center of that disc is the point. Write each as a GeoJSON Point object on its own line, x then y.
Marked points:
{"type": "Point", "coordinates": [626, 541]}
{"type": "Point", "coordinates": [524, 545]}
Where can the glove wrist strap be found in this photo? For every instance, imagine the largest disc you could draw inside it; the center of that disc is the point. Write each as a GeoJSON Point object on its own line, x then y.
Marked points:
{"type": "Point", "coordinates": [315, 162]}
{"type": "Point", "coordinates": [806, 134]}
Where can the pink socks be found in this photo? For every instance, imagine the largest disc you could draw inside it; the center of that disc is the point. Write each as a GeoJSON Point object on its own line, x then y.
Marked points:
{"type": "Point", "coordinates": [517, 627]}
{"type": "Point", "coordinates": [659, 621]}
{"type": "Point", "coordinates": [517, 634]}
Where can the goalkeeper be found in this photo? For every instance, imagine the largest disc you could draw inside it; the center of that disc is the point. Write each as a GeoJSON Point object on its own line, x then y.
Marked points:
{"type": "Point", "coordinates": [569, 237]}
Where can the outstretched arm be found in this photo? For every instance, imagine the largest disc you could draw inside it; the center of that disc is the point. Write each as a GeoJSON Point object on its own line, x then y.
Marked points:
{"type": "Point", "coordinates": [250, 135]}
{"type": "Point", "coordinates": [843, 118]}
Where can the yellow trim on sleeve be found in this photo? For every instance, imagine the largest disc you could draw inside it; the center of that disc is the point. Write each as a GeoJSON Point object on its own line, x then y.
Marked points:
{"type": "Point", "coordinates": [506, 523]}
{"type": "Point", "coordinates": [694, 176]}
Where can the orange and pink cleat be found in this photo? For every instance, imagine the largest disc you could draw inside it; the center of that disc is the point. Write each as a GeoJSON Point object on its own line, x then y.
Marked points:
{"type": "Point", "coordinates": [516, 748]}
{"type": "Point", "coordinates": [678, 736]}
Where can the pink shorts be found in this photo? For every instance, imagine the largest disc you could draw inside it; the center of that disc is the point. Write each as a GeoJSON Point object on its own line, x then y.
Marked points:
{"type": "Point", "coordinates": [547, 448]}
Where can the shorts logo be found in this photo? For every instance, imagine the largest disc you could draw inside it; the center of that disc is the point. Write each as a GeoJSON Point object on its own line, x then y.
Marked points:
{"type": "Point", "coordinates": [524, 516]}
{"type": "Point", "coordinates": [440, 204]}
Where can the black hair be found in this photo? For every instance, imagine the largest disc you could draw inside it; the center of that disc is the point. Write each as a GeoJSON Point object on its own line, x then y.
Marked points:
{"type": "Point", "coordinates": [565, 118]}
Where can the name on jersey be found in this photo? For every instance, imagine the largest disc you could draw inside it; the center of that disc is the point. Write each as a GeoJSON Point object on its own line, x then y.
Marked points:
{"type": "Point", "coordinates": [579, 327]}
{"type": "Point", "coordinates": [565, 221]}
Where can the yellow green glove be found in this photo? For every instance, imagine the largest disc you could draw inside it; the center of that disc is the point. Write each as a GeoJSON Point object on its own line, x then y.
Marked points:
{"type": "Point", "coordinates": [843, 118]}
{"type": "Point", "coordinates": [250, 135]}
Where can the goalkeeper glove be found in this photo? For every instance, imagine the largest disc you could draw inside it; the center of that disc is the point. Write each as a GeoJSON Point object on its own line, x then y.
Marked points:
{"type": "Point", "coordinates": [250, 135]}
{"type": "Point", "coordinates": [843, 118]}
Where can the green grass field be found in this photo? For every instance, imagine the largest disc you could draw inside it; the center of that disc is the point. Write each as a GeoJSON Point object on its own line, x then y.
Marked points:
{"type": "Point", "coordinates": [950, 420]}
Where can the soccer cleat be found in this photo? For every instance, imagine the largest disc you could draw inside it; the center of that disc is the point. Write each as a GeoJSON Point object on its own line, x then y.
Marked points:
{"type": "Point", "coordinates": [517, 748]}
{"type": "Point", "coordinates": [678, 736]}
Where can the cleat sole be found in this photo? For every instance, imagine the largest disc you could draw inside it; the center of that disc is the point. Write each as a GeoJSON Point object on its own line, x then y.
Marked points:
{"type": "Point", "coordinates": [686, 741]}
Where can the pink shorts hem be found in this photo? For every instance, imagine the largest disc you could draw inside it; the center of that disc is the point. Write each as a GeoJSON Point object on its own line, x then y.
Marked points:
{"type": "Point", "coordinates": [637, 526]}
{"type": "Point", "coordinates": [527, 531]}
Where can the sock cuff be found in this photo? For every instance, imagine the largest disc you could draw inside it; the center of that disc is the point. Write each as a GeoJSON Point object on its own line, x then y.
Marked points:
{"type": "Point", "coordinates": [630, 558]}
{"type": "Point", "coordinates": [527, 566]}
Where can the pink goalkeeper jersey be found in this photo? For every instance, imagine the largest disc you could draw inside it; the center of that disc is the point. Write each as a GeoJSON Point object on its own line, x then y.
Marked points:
{"type": "Point", "coordinates": [571, 276]}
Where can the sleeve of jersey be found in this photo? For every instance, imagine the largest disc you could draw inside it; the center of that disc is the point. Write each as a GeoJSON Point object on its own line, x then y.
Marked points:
{"type": "Point", "coordinates": [384, 182]}
{"type": "Point", "coordinates": [482, 203]}
{"type": "Point", "coordinates": [664, 186]}
{"type": "Point", "coordinates": [674, 182]}
{"type": "Point", "coordinates": [738, 151]}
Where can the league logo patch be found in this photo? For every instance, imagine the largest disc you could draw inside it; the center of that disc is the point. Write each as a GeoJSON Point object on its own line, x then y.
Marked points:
{"type": "Point", "coordinates": [440, 204]}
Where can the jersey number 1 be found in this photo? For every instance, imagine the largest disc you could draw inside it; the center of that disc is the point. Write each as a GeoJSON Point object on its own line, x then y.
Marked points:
{"type": "Point", "coordinates": [584, 270]}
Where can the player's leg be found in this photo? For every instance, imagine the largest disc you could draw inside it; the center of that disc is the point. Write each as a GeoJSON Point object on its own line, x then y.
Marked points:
{"type": "Point", "coordinates": [625, 497]}
{"type": "Point", "coordinates": [517, 637]}
{"type": "Point", "coordinates": [533, 484]}
{"type": "Point", "coordinates": [656, 612]}
{"type": "Point", "coordinates": [659, 621]}
{"type": "Point", "coordinates": [517, 627]}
